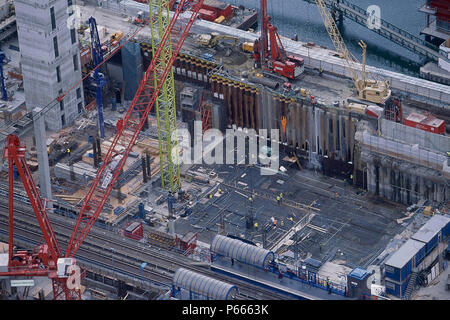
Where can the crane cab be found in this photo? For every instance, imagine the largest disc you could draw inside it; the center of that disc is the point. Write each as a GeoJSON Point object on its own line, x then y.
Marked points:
{"type": "Point", "coordinates": [63, 265]}
{"type": "Point", "coordinates": [299, 65]}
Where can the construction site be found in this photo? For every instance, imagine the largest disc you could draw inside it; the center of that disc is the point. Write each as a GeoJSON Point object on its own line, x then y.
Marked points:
{"type": "Point", "coordinates": [187, 150]}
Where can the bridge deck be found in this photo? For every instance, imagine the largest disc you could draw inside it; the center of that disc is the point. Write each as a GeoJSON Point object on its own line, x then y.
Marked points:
{"type": "Point", "coordinates": [387, 29]}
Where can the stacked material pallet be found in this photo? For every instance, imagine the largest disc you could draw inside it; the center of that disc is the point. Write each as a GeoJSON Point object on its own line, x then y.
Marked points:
{"type": "Point", "coordinates": [161, 239]}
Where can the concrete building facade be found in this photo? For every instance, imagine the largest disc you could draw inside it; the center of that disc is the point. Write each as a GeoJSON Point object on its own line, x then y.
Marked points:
{"type": "Point", "coordinates": [50, 59]}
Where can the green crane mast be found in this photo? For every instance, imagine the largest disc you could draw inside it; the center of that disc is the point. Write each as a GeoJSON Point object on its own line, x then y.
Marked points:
{"type": "Point", "coordinates": [165, 103]}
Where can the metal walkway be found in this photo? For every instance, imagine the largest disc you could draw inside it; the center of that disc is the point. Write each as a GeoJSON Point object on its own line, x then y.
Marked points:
{"type": "Point", "coordinates": [387, 30]}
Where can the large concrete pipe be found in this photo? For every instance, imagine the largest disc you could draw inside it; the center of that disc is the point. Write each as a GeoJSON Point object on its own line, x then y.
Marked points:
{"type": "Point", "coordinates": [266, 82]}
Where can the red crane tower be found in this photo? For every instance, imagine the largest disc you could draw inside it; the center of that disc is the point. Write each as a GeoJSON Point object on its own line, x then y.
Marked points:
{"type": "Point", "coordinates": [49, 260]}
{"type": "Point", "coordinates": [269, 53]}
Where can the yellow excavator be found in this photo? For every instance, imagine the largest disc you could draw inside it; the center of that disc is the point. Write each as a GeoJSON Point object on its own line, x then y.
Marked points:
{"type": "Point", "coordinates": [211, 40]}
{"type": "Point", "coordinates": [368, 89]}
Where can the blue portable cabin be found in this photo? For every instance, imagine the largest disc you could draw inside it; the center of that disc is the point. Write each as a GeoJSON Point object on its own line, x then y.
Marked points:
{"type": "Point", "coordinates": [396, 289]}
{"type": "Point", "coordinates": [400, 264]}
{"type": "Point", "coordinates": [446, 230]}
{"type": "Point", "coordinates": [431, 233]}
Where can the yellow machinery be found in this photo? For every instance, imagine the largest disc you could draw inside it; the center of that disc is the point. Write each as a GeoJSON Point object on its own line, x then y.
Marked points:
{"type": "Point", "coordinates": [368, 89]}
{"type": "Point", "coordinates": [247, 47]}
{"type": "Point", "coordinates": [116, 36]}
{"type": "Point", "coordinates": [211, 40]}
{"type": "Point", "coordinates": [220, 19]}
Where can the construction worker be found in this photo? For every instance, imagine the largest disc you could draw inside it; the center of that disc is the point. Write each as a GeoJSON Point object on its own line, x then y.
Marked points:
{"type": "Point", "coordinates": [210, 195]}
{"type": "Point", "coordinates": [281, 197]}
{"type": "Point", "coordinates": [68, 151]}
{"type": "Point", "coordinates": [278, 199]}
{"type": "Point", "coordinates": [256, 225]}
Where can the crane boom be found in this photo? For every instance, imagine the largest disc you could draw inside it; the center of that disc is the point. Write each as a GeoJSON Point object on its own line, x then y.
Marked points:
{"type": "Point", "coordinates": [130, 126]}
{"type": "Point", "coordinates": [370, 90]}
{"type": "Point", "coordinates": [15, 153]}
{"type": "Point", "coordinates": [337, 40]}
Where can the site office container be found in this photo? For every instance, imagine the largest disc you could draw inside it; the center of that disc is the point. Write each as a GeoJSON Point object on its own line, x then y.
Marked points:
{"type": "Point", "coordinates": [220, 8]}
{"type": "Point", "coordinates": [396, 288]}
{"type": "Point", "coordinates": [398, 274]}
{"type": "Point", "coordinates": [446, 232]}
{"type": "Point", "coordinates": [208, 15]}
{"type": "Point", "coordinates": [432, 244]}
{"type": "Point", "coordinates": [408, 257]}
{"type": "Point", "coordinates": [419, 257]}
{"type": "Point", "coordinates": [425, 122]}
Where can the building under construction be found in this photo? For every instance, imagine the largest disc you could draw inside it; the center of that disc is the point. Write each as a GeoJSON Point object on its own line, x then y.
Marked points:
{"type": "Point", "coordinates": [95, 121]}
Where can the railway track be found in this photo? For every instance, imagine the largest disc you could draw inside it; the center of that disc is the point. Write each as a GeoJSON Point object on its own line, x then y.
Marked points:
{"type": "Point", "coordinates": [127, 255]}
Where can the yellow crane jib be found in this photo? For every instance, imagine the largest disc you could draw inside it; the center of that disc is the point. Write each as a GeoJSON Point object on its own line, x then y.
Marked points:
{"type": "Point", "coordinates": [368, 89]}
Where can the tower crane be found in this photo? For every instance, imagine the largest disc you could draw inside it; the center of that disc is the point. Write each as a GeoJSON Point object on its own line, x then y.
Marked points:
{"type": "Point", "coordinates": [269, 53]}
{"type": "Point", "coordinates": [368, 89]}
{"type": "Point", "coordinates": [165, 103]}
{"type": "Point", "coordinates": [49, 260]}
{"type": "Point", "coordinates": [99, 78]}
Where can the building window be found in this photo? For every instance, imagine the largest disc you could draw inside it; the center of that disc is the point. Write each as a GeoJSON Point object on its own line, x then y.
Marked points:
{"type": "Point", "coordinates": [80, 107]}
{"type": "Point", "coordinates": [61, 105]}
{"type": "Point", "coordinates": [78, 93]}
{"type": "Point", "coordinates": [73, 35]}
{"type": "Point", "coordinates": [55, 46]}
{"type": "Point", "coordinates": [389, 269]}
{"type": "Point", "coordinates": [63, 120]}
{"type": "Point", "coordinates": [75, 62]}
{"type": "Point", "coordinates": [52, 17]}
{"type": "Point", "coordinates": [58, 74]}
{"type": "Point", "coordinates": [390, 285]}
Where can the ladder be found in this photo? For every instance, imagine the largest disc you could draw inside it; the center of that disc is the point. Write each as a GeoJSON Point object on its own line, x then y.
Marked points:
{"type": "Point", "coordinates": [410, 287]}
